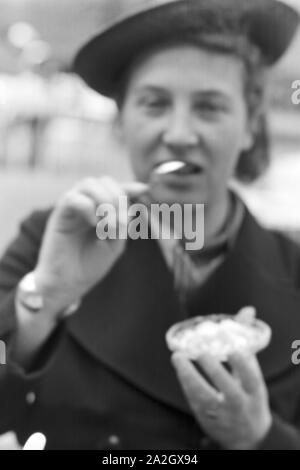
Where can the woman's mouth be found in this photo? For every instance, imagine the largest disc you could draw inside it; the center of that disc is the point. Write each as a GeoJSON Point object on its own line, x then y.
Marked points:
{"type": "Point", "coordinates": [177, 168]}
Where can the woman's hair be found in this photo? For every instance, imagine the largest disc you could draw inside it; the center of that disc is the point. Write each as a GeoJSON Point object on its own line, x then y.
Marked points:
{"type": "Point", "coordinates": [252, 163]}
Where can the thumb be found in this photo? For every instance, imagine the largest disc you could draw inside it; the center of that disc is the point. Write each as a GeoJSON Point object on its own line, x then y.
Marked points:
{"type": "Point", "coordinates": [135, 188]}
{"type": "Point", "coordinates": [246, 315]}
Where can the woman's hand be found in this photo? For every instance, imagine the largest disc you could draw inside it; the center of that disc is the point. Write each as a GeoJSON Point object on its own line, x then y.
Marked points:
{"type": "Point", "coordinates": [9, 441]}
{"type": "Point", "coordinates": [72, 259]}
{"type": "Point", "coordinates": [234, 411]}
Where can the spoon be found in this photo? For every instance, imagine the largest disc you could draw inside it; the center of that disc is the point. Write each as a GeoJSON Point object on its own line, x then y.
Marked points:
{"type": "Point", "coordinates": [169, 167]}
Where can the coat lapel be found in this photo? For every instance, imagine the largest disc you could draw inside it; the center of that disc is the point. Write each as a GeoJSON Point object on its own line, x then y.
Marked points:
{"type": "Point", "coordinates": [256, 273]}
{"type": "Point", "coordinates": [123, 320]}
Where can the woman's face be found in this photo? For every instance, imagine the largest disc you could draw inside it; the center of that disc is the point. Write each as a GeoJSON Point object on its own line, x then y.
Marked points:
{"type": "Point", "coordinates": [184, 103]}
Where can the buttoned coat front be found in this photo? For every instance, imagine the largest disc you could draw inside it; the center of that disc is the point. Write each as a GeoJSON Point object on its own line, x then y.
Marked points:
{"type": "Point", "coordinates": [104, 380]}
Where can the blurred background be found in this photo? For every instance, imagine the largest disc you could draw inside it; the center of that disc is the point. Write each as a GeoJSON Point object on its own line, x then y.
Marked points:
{"type": "Point", "coordinates": [54, 131]}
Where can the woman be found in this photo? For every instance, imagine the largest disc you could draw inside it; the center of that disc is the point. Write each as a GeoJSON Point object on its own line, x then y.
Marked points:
{"type": "Point", "coordinates": [88, 365]}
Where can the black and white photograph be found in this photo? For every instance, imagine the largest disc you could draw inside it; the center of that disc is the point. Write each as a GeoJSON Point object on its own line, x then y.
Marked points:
{"type": "Point", "coordinates": [149, 227]}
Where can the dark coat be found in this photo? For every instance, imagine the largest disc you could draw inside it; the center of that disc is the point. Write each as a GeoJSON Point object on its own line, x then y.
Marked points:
{"type": "Point", "coordinates": [104, 380]}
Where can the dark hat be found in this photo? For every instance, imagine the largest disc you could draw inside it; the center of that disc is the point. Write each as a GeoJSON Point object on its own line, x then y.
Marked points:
{"type": "Point", "coordinates": [133, 26]}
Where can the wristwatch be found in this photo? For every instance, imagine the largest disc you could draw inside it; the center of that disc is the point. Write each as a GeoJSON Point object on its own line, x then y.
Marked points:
{"type": "Point", "coordinates": [30, 298]}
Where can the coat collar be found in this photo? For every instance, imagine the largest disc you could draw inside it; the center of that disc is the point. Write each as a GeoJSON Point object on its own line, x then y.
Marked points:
{"type": "Point", "coordinates": [123, 320]}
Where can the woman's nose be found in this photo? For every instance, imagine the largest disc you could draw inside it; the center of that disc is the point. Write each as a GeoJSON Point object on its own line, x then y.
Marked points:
{"type": "Point", "coordinates": [180, 131]}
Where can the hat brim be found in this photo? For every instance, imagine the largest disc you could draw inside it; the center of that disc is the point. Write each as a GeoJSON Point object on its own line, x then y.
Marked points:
{"type": "Point", "coordinates": [271, 25]}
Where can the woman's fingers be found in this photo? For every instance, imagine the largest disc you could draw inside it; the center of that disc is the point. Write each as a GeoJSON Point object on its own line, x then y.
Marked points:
{"type": "Point", "coordinates": [135, 188]}
{"type": "Point", "coordinates": [106, 188]}
{"type": "Point", "coordinates": [93, 198]}
{"type": "Point", "coordinates": [246, 315]}
{"type": "Point", "coordinates": [118, 194]}
{"type": "Point", "coordinates": [218, 375]}
{"type": "Point", "coordinates": [200, 394]}
{"type": "Point", "coordinates": [99, 191]}
{"type": "Point", "coordinates": [74, 208]}
{"type": "Point", "coordinates": [106, 195]}
{"type": "Point", "coordinates": [246, 368]}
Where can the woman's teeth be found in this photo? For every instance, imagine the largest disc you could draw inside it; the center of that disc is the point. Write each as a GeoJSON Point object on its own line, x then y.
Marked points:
{"type": "Point", "coordinates": [177, 167]}
{"type": "Point", "coordinates": [189, 169]}
{"type": "Point", "coordinates": [169, 167]}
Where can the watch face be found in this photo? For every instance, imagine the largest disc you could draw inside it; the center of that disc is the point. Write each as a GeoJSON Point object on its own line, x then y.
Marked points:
{"type": "Point", "coordinates": [28, 295]}
{"type": "Point", "coordinates": [34, 301]}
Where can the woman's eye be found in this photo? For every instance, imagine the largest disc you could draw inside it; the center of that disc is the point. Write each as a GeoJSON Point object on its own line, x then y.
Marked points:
{"type": "Point", "coordinates": [209, 108]}
{"type": "Point", "coordinates": [154, 104]}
